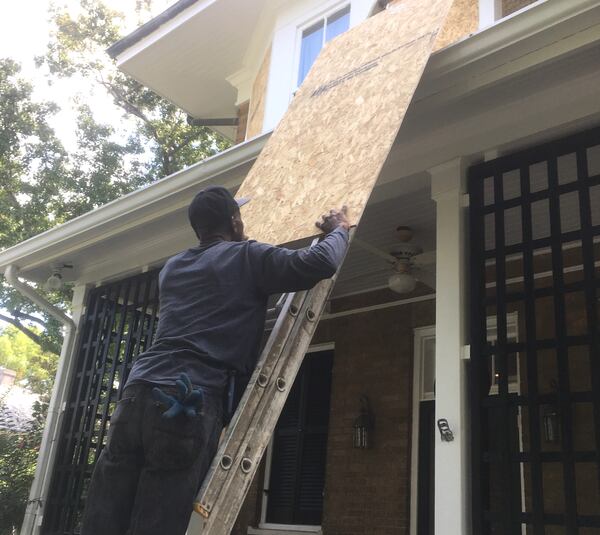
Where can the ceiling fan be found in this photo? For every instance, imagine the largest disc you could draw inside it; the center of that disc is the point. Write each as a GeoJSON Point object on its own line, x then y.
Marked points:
{"type": "Point", "coordinates": [408, 262]}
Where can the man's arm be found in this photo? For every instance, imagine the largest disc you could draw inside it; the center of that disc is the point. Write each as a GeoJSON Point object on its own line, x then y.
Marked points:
{"type": "Point", "coordinates": [278, 270]}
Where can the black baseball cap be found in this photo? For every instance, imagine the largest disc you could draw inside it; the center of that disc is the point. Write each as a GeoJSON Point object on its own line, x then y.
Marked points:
{"type": "Point", "coordinates": [213, 207]}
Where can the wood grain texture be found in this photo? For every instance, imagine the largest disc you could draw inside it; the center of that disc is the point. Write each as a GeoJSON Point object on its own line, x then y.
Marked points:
{"type": "Point", "coordinates": [462, 20]}
{"type": "Point", "coordinates": [256, 113]}
{"type": "Point", "coordinates": [330, 146]}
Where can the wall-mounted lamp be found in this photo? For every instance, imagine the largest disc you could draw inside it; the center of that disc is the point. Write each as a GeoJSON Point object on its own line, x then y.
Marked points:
{"type": "Point", "coordinates": [551, 424]}
{"type": "Point", "coordinates": [551, 420]}
{"type": "Point", "coordinates": [363, 425]}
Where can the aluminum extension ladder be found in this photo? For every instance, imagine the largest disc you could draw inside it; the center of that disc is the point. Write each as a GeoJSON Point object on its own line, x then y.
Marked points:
{"type": "Point", "coordinates": [234, 466]}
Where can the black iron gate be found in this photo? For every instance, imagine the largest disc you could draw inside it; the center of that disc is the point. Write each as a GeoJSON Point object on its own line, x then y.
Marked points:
{"type": "Point", "coordinates": [119, 323]}
{"type": "Point", "coordinates": [535, 265]}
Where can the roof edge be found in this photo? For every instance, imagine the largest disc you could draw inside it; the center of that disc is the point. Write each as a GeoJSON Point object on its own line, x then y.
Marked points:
{"type": "Point", "coordinates": [146, 29]}
{"type": "Point", "coordinates": [90, 222]}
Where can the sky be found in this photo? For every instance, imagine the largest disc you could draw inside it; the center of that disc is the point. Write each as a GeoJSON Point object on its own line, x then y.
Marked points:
{"type": "Point", "coordinates": [24, 34]}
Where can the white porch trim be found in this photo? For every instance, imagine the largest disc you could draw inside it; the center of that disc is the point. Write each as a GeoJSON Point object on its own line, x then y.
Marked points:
{"type": "Point", "coordinates": [489, 12]}
{"type": "Point", "coordinates": [452, 510]}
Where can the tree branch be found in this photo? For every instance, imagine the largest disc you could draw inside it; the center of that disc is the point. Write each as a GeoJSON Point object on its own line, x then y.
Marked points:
{"type": "Point", "coordinates": [46, 345]}
{"type": "Point", "coordinates": [22, 315]}
{"type": "Point", "coordinates": [129, 107]}
{"type": "Point", "coordinates": [122, 101]}
{"type": "Point", "coordinates": [191, 136]}
{"type": "Point", "coordinates": [15, 322]}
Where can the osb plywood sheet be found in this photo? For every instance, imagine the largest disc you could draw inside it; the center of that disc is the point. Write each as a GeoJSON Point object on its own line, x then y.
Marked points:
{"type": "Point", "coordinates": [256, 113]}
{"type": "Point", "coordinates": [331, 144]}
{"type": "Point", "coordinates": [463, 20]}
{"type": "Point", "coordinates": [240, 132]}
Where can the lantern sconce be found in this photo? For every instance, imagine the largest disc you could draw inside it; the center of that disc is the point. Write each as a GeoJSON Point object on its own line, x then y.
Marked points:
{"type": "Point", "coordinates": [550, 419]}
{"type": "Point", "coordinates": [363, 426]}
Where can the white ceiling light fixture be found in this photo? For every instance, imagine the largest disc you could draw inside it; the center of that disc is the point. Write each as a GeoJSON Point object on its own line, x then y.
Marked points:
{"type": "Point", "coordinates": [408, 262]}
{"type": "Point", "coordinates": [402, 280]}
{"type": "Point", "coordinates": [55, 281]}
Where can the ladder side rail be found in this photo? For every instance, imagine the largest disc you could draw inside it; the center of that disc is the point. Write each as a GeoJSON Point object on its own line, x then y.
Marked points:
{"type": "Point", "coordinates": [233, 448]}
{"type": "Point", "coordinates": [239, 477]}
{"type": "Point", "coordinates": [255, 390]}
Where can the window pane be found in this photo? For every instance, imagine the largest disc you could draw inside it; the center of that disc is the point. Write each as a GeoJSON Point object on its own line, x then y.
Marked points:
{"type": "Point", "coordinates": [338, 23]}
{"type": "Point", "coordinates": [428, 369]}
{"type": "Point", "coordinates": [312, 41]}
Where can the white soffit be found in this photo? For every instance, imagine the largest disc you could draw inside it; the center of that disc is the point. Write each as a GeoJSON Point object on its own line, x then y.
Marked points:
{"type": "Point", "coordinates": [188, 59]}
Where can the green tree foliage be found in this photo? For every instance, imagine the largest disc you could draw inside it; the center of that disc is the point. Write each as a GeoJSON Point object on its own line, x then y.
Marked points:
{"type": "Point", "coordinates": [35, 367]}
{"type": "Point", "coordinates": [18, 455]}
{"type": "Point", "coordinates": [33, 172]}
{"type": "Point", "coordinates": [42, 184]}
{"type": "Point", "coordinates": [79, 48]}
{"type": "Point", "coordinates": [18, 451]}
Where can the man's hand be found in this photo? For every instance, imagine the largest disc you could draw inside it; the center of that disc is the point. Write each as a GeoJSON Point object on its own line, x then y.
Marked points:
{"type": "Point", "coordinates": [333, 220]}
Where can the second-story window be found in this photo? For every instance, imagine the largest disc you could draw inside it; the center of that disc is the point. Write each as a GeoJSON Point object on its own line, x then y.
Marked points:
{"type": "Point", "coordinates": [314, 37]}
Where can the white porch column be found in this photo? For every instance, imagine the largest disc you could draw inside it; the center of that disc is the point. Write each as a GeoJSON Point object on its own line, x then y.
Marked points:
{"type": "Point", "coordinates": [452, 510]}
{"type": "Point", "coordinates": [41, 483]}
{"type": "Point", "coordinates": [489, 12]}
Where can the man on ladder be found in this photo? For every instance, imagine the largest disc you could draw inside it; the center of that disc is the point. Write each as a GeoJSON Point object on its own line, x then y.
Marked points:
{"type": "Point", "coordinates": [213, 300]}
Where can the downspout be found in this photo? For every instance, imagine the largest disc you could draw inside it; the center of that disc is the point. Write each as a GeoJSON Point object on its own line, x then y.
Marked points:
{"type": "Point", "coordinates": [41, 481]}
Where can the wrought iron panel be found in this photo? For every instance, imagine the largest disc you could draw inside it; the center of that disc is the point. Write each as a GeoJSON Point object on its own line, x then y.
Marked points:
{"type": "Point", "coordinates": [535, 387]}
{"type": "Point", "coordinates": [119, 323]}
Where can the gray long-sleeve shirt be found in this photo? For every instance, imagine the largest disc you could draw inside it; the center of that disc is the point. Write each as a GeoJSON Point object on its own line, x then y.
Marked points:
{"type": "Point", "coordinates": [213, 302]}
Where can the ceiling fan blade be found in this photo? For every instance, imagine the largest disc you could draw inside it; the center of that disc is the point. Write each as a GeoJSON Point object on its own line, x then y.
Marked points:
{"type": "Point", "coordinates": [344, 280]}
{"type": "Point", "coordinates": [424, 259]}
{"type": "Point", "coordinates": [374, 250]}
{"type": "Point", "coordinates": [424, 275]}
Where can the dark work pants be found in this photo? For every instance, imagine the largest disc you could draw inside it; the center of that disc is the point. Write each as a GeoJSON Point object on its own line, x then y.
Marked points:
{"type": "Point", "coordinates": [147, 476]}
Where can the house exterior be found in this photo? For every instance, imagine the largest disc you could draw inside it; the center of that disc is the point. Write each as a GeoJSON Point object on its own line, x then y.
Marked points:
{"type": "Point", "coordinates": [482, 380]}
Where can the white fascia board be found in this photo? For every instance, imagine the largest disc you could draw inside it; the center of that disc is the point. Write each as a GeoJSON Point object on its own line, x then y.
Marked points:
{"type": "Point", "coordinates": [114, 216]}
{"type": "Point", "coordinates": [534, 27]}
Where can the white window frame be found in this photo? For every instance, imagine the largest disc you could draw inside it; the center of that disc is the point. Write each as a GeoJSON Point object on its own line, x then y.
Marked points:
{"type": "Point", "coordinates": [265, 527]}
{"type": "Point", "coordinates": [490, 11]}
{"type": "Point", "coordinates": [285, 56]}
{"type": "Point", "coordinates": [323, 15]}
{"type": "Point", "coordinates": [421, 335]}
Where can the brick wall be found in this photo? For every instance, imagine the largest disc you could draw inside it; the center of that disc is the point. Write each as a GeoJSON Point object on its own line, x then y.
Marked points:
{"type": "Point", "coordinates": [510, 6]}
{"type": "Point", "coordinates": [367, 491]}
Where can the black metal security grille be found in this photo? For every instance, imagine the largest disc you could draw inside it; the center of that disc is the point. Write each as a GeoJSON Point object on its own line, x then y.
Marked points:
{"type": "Point", "coordinates": [535, 340]}
{"type": "Point", "coordinates": [119, 323]}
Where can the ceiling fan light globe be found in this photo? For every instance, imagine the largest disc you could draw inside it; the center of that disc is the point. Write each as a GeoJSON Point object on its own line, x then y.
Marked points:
{"type": "Point", "coordinates": [54, 282]}
{"type": "Point", "coordinates": [402, 283]}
